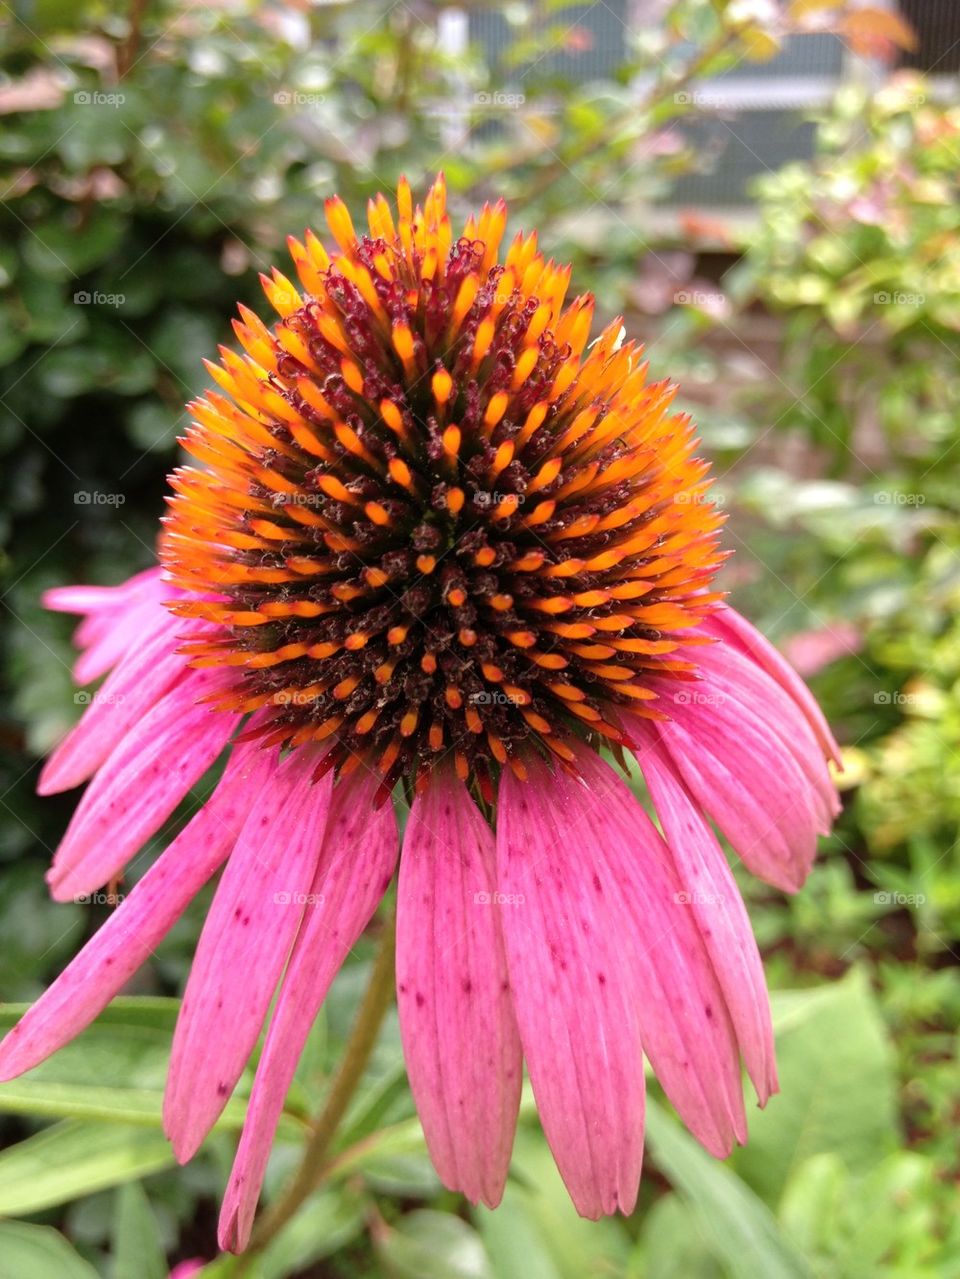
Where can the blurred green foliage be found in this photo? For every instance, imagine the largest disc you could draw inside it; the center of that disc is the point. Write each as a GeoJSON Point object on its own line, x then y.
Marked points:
{"type": "Point", "coordinates": [152, 163]}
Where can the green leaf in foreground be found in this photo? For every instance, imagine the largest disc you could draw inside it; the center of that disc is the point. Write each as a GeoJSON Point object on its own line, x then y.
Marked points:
{"type": "Point", "coordinates": [72, 1159]}
{"type": "Point", "coordinates": [740, 1227]}
{"type": "Point", "coordinates": [433, 1245]}
{"type": "Point", "coordinates": [137, 1250]}
{"type": "Point", "coordinates": [40, 1253]}
{"type": "Point", "coordinates": [114, 1072]}
{"type": "Point", "coordinates": [837, 1086]}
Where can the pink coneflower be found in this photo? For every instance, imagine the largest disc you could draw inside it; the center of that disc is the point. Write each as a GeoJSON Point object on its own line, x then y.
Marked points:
{"type": "Point", "coordinates": [441, 544]}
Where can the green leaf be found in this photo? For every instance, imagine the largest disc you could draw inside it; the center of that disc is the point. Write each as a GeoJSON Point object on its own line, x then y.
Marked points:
{"type": "Point", "coordinates": [515, 1244]}
{"type": "Point", "coordinates": [73, 1159]}
{"type": "Point", "coordinates": [742, 1230]}
{"type": "Point", "coordinates": [433, 1245]}
{"type": "Point", "coordinates": [40, 1253]}
{"type": "Point", "coordinates": [114, 1072]}
{"type": "Point", "coordinates": [137, 1250]}
{"type": "Point", "coordinates": [837, 1086]}
{"type": "Point", "coordinates": [327, 1222]}
{"type": "Point", "coordinates": [672, 1244]}
{"type": "Point", "coordinates": [577, 1249]}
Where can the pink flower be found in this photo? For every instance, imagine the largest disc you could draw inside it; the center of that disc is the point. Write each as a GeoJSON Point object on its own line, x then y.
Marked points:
{"type": "Point", "coordinates": [440, 544]}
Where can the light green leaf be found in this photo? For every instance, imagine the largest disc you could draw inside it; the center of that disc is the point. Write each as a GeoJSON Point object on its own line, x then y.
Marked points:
{"type": "Point", "coordinates": [672, 1245]}
{"type": "Point", "coordinates": [40, 1253]}
{"type": "Point", "coordinates": [837, 1086]}
{"type": "Point", "coordinates": [738, 1225]}
{"type": "Point", "coordinates": [577, 1249]}
{"type": "Point", "coordinates": [137, 1250]}
{"type": "Point", "coordinates": [433, 1245]}
{"type": "Point", "coordinates": [514, 1242]}
{"type": "Point", "coordinates": [73, 1159]}
{"type": "Point", "coordinates": [114, 1072]}
{"type": "Point", "coordinates": [327, 1222]}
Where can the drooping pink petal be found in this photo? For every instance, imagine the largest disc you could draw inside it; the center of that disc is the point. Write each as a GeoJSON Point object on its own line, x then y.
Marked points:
{"type": "Point", "coordinates": [129, 692]}
{"type": "Point", "coordinates": [755, 697]}
{"type": "Point", "coordinates": [684, 1023]}
{"type": "Point", "coordinates": [141, 921]}
{"type": "Point", "coordinates": [731, 626]}
{"type": "Point", "coordinates": [750, 757]}
{"type": "Point", "coordinates": [457, 1022]}
{"type": "Point", "coordinates": [139, 786]}
{"type": "Point", "coordinates": [243, 947]}
{"type": "Point", "coordinates": [747, 788]}
{"type": "Point", "coordinates": [711, 895]}
{"type": "Point", "coordinates": [568, 950]}
{"type": "Point", "coordinates": [356, 865]}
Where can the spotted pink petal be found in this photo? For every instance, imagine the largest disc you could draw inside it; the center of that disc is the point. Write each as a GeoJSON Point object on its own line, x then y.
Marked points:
{"type": "Point", "coordinates": [568, 944]}
{"type": "Point", "coordinates": [356, 865]}
{"type": "Point", "coordinates": [457, 1022]}
{"type": "Point", "coordinates": [140, 785]}
{"type": "Point", "coordinates": [140, 922]}
{"type": "Point", "coordinates": [243, 947]}
{"type": "Point", "coordinates": [712, 897]}
{"type": "Point", "coordinates": [686, 1029]}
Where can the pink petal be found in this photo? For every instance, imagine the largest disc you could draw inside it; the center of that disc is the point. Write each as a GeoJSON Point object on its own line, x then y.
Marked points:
{"type": "Point", "coordinates": [686, 1029]}
{"type": "Point", "coordinates": [733, 627]}
{"type": "Point", "coordinates": [756, 697]}
{"type": "Point", "coordinates": [115, 618]}
{"type": "Point", "coordinates": [142, 920]}
{"type": "Point", "coordinates": [459, 1032]}
{"type": "Point", "coordinates": [140, 785]}
{"type": "Point", "coordinates": [96, 599]}
{"type": "Point", "coordinates": [356, 865]}
{"type": "Point", "coordinates": [568, 946]}
{"type": "Point", "coordinates": [105, 644]}
{"type": "Point", "coordinates": [243, 947]}
{"type": "Point", "coordinates": [130, 691]}
{"type": "Point", "coordinates": [749, 756]}
{"type": "Point", "coordinates": [712, 897]}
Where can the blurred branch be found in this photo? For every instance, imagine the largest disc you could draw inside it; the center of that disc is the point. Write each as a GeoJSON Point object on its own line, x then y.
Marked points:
{"type": "Point", "coordinates": [128, 50]}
